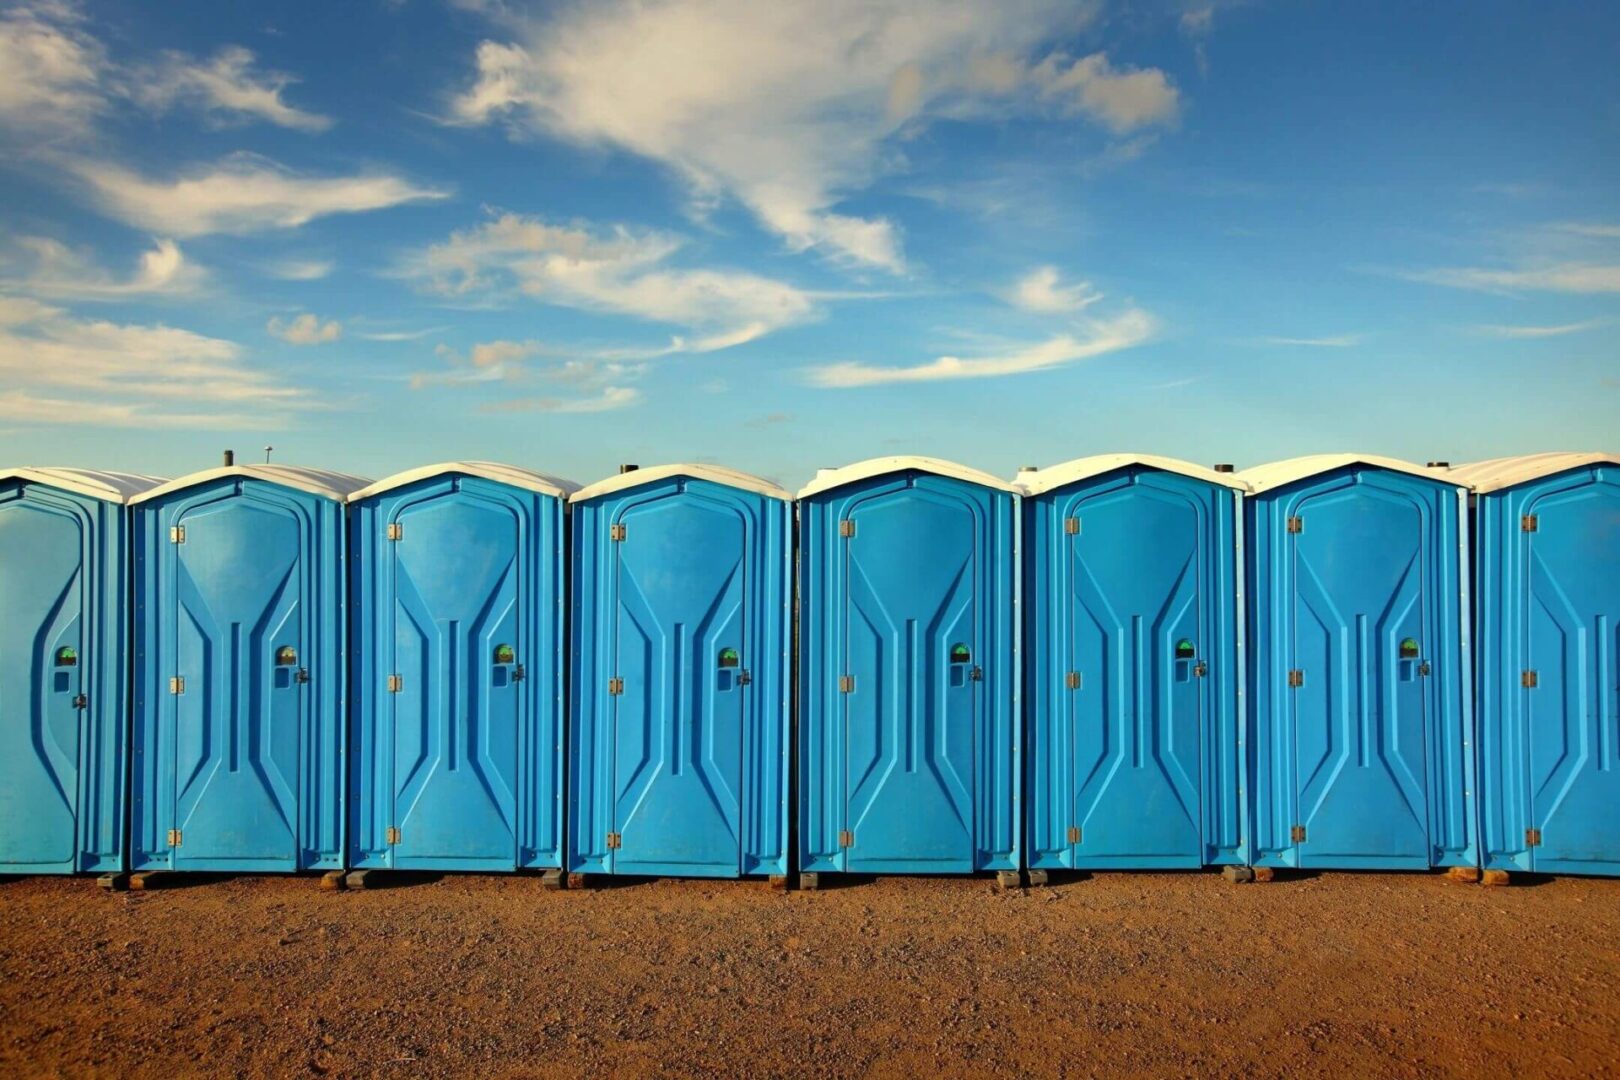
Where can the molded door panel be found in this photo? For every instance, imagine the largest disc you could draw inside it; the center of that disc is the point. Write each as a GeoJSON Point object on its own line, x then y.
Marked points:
{"type": "Point", "coordinates": [911, 573]}
{"type": "Point", "coordinates": [681, 644]}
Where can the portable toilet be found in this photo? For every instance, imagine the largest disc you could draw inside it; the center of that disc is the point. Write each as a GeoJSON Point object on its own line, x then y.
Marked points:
{"type": "Point", "coordinates": [908, 646]}
{"type": "Point", "coordinates": [1132, 661]}
{"type": "Point", "coordinates": [240, 670]}
{"type": "Point", "coordinates": [456, 723]}
{"type": "Point", "coordinates": [64, 668]}
{"type": "Point", "coordinates": [681, 641]}
{"type": "Point", "coordinates": [1362, 740]}
{"type": "Point", "coordinates": [1548, 609]}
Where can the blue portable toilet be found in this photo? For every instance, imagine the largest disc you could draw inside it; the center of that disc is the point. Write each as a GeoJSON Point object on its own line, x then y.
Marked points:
{"type": "Point", "coordinates": [64, 668]}
{"type": "Point", "coordinates": [908, 677]}
{"type": "Point", "coordinates": [240, 671]}
{"type": "Point", "coordinates": [681, 641]}
{"type": "Point", "coordinates": [1548, 608]}
{"type": "Point", "coordinates": [1132, 661]}
{"type": "Point", "coordinates": [456, 723]}
{"type": "Point", "coordinates": [1360, 692]}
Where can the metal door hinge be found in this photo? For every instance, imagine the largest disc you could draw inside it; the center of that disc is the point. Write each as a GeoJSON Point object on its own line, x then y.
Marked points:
{"type": "Point", "coordinates": [1200, 669]}
{"type": "Point", "coordinates": [1071, 526]}
{"type": "Point", "coordinates": [1073, 680]}
{"type": "Point", "coordinates": [617, 532]}
{"type": "Point", "coordinates": [1530, 523]}
{"type": "Point", "coordinates": [1074, 834]}
{"type": "Point", "coordinates": [396, 683]}
{"type": "Point", "coordinates": [1532, 838]}
{"type": "Point", "coordinates": [174, 837]}
{"type": "Point", "coordinates": [1529, 680]}
{"type": "Point", "coordinates": [393, 834]}
{"type": "Point", "coordinates": [1297, 834]}
{"type": "Point", "coordinates": [846, 684]}
{"type": "Point", "coordinates": [177, 684]}
{"type": "Point", "coordinates": [846, 838]}
{"type": "Point", "coordinates": [846, 528]}
{"type": "Point", "coordinates": [1296, 525]}
{"type": "Point", "coordinates": [744, 678]}
{"type": "Point", "coordinates": [616, 685]}
{"type": "Point", "coordinates": [396, 531]}
{"type": "Point", "coordinates": [614, 841]}
{"type": "Point", "coordinates": [177, 534]}
{"type": "Point", "coordinates": [80, 701]}
{"type": "Point", "coordinates": [1296, 677]}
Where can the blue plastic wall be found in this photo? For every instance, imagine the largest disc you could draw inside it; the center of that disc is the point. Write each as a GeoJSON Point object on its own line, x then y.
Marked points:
{"type": "Point", "coordinates": [63, 585]}
{"type": "Point", "coordinates": [1549, 603]}
{"type": "Point", "coordinates": [917, 765]}
{"type": "Point", "coordinates": [687, 768]}
{"type": "Point", "coordinates": [464, 759]}
{"type": "Point", "coordinates": [1373, 755]}
{"type": "Point", "coordinates": [1139, 765]}
{"type": "Point", "coordinates": [246, 764]}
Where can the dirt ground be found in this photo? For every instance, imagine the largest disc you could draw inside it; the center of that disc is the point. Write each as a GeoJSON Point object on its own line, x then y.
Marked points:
{"type": "Point", "coordinates": [1141, 974]}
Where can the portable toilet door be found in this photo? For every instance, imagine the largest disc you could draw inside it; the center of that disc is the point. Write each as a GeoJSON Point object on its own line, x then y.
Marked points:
{"type": "Point", "coordinates": [1364, 755]}
{"type": "Point", "coordinates": [455, 746]}
{"type": "Point", "coordinates": [64, 675]}
{"type": "Point", "coordinates": [1132, 636]}
{"type": "Point", "coordinates": [678, 741]}
{"type": "Point", "coordinates": [908, 723]}
{"type": "Point", "coordinates": [1548, 603]}
{"type": "Point", "coordinates": [240, 671]}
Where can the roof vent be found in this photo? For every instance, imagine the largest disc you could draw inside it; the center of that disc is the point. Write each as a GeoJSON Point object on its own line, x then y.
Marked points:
{"type": "Point", "coordinates": [230, 458]}
{"type": "Point", "coordinates": [1028, 468]}
{"type": "Point", "coordinates": [627, 468]}
{"type": "Point", "coordinates": [1439, 465]}
{"type": "Point", "coordinates": [1224, 466]}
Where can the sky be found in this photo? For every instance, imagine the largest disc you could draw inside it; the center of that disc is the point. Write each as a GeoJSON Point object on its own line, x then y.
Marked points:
{"type": "Point", "coordinates": [783, 236]}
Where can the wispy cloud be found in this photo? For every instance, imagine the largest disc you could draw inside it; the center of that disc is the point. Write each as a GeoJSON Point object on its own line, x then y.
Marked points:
{"type": "Point", "coordinates": [1594, 229]}
{"type": "Point", "coordinates": [1494, 330]}
{"type": "Point", "coordinates": [225, 87]}
{"type": "Point", "coordinates": [305, 329]}
{"type": "Point", "coordinates": [611, 397]}
{"type": "Point", "coordinates": [586, 382]}
{"type": "Point", "coordinates": [1565, 277]}
{"type": "Point", "coordinates": [1341, 341]}
{"type": "Point", "coordinates": [41, 266]}
{"type": "Point", "coordinates": [1040, 291]}
{"type": "Point", "coordinates": [401, 335]}
{"type": "Point", "coordinates": [300, 269]}
{"type": "Point", "coordinates": [1098, 338]}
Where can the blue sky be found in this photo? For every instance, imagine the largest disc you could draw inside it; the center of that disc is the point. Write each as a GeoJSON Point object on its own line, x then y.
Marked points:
{"type": "Point", "coordinates": [783, 236]}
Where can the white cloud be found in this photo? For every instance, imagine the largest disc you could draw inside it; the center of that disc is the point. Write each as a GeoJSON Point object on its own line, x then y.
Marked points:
{"type": "Point", "coordinates": [1098, 337]}
{"type": "Point", "coordinates": [224, 86]}
{"type": "Point", "coordinates": [1040, 291]}
{"type": "Point", "coordinates": [301, 269]}
{"type": "Point", "coordinates": [401, 335]}
{"type": "Point", "coordinates": [47, 267]}
{"type": "Point", "coordinates": [241, 194]}
{"type": "Point", "coordinates": [1597, 230]}
{"type": "Point", "coordinates": [594, 381]}
{"type": "Point", "coordinates": [619, 270]}
{"type": "Point", "coordinates": [1567, 277]}
{"type": "Point", "coordinates": [65, 370]}
{"type": "Point", "coordinates": [305, 329]}
{"type": "Point", "coordinates": [611, 397]}
{"type": "Point", "coordinates": [1493, 330]}
{"type": "Point", "coordinates": [53, 69]}
{"type": "Point", "coordinates": [792, 107]}
{"type": "Point", "coordinates": [1342, 341]}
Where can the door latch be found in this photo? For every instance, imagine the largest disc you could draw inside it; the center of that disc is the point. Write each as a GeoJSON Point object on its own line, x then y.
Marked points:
{"type": "Point", "coordinates": [1200, 669]}
{"type": "Point", "coordinates": [80, 701]}
{"type": "Point", "coordinates": [518, 673]}
{"type": "Point", "coordinates": [976, 673]}
{"type": "Point", "coordinates": [302, 676]}
{"type": "Point", "coordinates": [744, 678]}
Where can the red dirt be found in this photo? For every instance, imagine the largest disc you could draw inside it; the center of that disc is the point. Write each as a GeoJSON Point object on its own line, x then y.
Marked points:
{"type": "Point", "coordinates": [1120, 974]}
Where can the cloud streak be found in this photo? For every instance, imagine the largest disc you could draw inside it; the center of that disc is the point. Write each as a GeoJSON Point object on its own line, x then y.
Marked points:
{"type": "Point", "coordinates": [1523, 332]}
{"type": "Point", "coordinates": [1040, 291]}
{"type": "Point", "coordinates": [305, 329]}
{"type": "Point", "coordinates": [1564, 277]}
{"type": "Point", "coordinates": [1341, 341]}
{"type": "Point", "coordinates": [45, 267]}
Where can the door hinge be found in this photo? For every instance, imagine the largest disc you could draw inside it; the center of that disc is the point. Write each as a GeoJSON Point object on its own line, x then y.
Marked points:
{"type": "Point", "coordinates": [177, 684]}
{"type": "Point", "coordinates": [846, 838]}
{"type": "Point", "coordinates": [617, 532]}
{"type": "Point", "coordinates": [1073, 680]}
{"type": "Point", "coordinates": [846, 684]}
{"type": "Point", "coordinates": [1071, 526]}
{"type": "Point", "coordinates": [846, 528]}
{"type": "Point", "coordinates": [393, 834]}
{"type": "Point", "coordinates": [1296, 525]}
{"type": "Point", "coordinates": [616, 685]}
{"type": "Point", "coordinates": [1529, 680]}
{"type": "Point", "coordinates": [1532, 838]}
{"type": "Point", "coordinates": [396, 683]}
{"type": "Point", "coordinates": [1297, 834]}
{"type": "Point", "coordinates": [614, 841]}
{"type": "Point", "coordinates": [1530, 523]}
{"type": "Point", "coordinates": [177, 534]}
{"type": "Point", "coordinates": [744, 678]}
{"type": "Point", "coordinates": [1296, 677]}
{"type": "Point", "coordinates": [174, 837]}
{"type": "Point", "coordinates": [80, 701]}
{"type": "Point", "coordinates": [1201, 669]}
{"type": "Point", "coordinates": [1074, 834]}
{"type": "Point", "coordinates": [396, 530]}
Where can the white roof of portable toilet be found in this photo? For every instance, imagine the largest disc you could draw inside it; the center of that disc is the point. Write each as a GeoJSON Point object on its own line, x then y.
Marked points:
{"type": "Point", "coordinates": [1504, 472]}
{"type": "Point", "coordinates": [517, 477]}
{"type": "Point", "coordinates": [114, 487]}
{"type": "Point", "coordinates": [717, 474]}
{"type": "Point", "coordinates": [827, 479]}
{"type": "Point", "coordinates": [324, 482]}
{"type": "Point", "coordinates": [1055, 476]}
{"type": "Point", "coordinates": [1279, 473]}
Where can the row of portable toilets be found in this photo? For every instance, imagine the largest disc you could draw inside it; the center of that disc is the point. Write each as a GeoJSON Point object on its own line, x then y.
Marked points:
{"type": "Point", "coordinates": [1120, 662]}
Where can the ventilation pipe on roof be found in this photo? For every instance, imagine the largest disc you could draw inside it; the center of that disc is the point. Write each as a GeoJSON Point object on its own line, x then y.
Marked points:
{"type": "Point", "coordinates": [1028, 468]}
{"type": "Point", "coordinates": [1439, 465]}
{"type": "Point", "coordinates": [230, 458]}
{"type": "Point", "coordinates": [1223, 467]}
{"type": "Point", "coordinates": [627, 468]}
